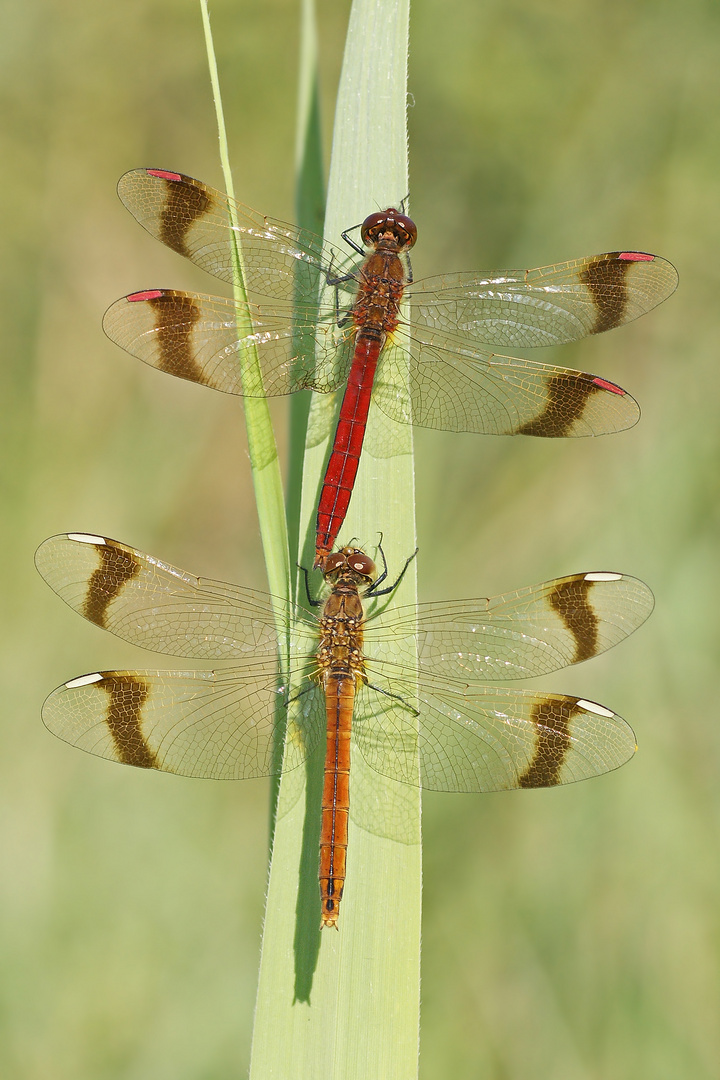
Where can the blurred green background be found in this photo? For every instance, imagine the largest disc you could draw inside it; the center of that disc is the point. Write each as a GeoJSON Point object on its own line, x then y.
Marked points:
{"type": "Point", "coordinates": [569, 934]}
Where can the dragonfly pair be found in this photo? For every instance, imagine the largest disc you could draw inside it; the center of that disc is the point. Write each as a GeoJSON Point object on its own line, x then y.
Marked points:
{"type": "Point", "coordinates": [432, 725]}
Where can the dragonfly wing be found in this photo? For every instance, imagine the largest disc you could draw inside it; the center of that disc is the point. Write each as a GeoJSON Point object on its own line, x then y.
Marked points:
{"type": "Point", "coordinates": [440, 383]}
{"type": "Point", "coordinates": [212, 341]}
{"type": "Point", "coordinates": [490, 739]}
{"type": "Point", "coordinates": [386, 728]}
{"type": "Point", "coordinates": [550, 305]}
{"type": "Point", "coordinates": [494, 739]}
{"type": "Point", "coordinates": [520, 634]}
{"type": "Point", "coordinates": [381, 806]}
{"type": "Point", "coordinates": [155, 605]}
{"type": "Point", "coordinates": [279, 260]}
{"type": "Point", "coordinates": [228, 725]}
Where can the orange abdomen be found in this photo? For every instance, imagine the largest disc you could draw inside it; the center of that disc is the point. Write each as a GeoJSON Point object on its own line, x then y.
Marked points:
{"type": "Point", "coordinates": [339, 699]}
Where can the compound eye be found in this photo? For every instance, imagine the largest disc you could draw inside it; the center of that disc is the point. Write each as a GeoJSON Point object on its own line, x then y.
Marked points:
{"type": "Point", "coordinates": [333, 563]}
{"type": "Point", "coordinates": [361, 564]}
{"type": "Point", "coordinates": [390, 220]}
{"type": "Point", "coordinates": [409, 228]}
{"type": "Point", "coordinates": [371, 225]}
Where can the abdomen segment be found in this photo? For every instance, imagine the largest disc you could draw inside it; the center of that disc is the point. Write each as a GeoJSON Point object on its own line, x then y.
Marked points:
{"type": "Point", "coordinates": [339, 699]}
{"type": "Point", "coordinates": [345, 457]}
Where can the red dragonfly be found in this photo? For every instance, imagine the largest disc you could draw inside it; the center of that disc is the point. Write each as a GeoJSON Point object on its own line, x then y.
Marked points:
{"type": "Point", "coordinates": [322, 318]}
{"type": "Point", "coordinates": [428, 724]}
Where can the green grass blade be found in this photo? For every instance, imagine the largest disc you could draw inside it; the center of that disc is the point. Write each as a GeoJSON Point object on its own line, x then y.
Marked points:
{"type": "Point", "coordinates": [264, 461]}
{"type": "Point", "coordinates": [310, 211]}
{"type": "Point", "coordinates": [346, 1004]}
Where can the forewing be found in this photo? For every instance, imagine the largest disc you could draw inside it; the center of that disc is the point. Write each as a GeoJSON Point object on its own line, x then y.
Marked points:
{"type": "Point", "coordinates": [279, 260]}
{"type": "Point", "coordinates": [550, 305]}
{"type": "Point", "coordinates": [227, 725]}
{"type": "Point", "coordinates": [207, 340]}
{"type": "Point", "coordinates": [488, 739]}
{"type": "Point", "coordinates": [157, 606]}
{"type": "Point", "coordinates": [520, 634]}
{"type": "Point", "coordinates": [434, 381]}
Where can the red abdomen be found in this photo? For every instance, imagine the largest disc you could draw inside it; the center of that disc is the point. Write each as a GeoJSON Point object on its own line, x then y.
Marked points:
{"type": "Point", "coordinates": [345, 457]}
{"type": "Point", "coordinates": [375, 314]}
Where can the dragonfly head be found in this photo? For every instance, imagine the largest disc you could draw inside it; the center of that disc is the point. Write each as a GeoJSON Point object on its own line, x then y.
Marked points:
{"type": "Point", "coordinates": [388, 226]}
{"type": "Point", "coordinates": [352, 563]}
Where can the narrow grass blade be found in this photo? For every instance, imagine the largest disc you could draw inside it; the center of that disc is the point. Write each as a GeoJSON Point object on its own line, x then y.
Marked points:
{"type": "Point", "coordinates": [264, 461]}
{"type": "Point", "coordinates": [310, 211]}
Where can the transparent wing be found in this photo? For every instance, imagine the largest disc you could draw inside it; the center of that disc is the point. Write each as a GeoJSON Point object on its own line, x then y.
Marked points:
{"type": "Point", "coordinates": [382, 806]}
{"type": "Point", "coordinates": [520, 634]}
{"type": "Point", "coordinates": [451, 387]}
{"type": "Point", "coordinates": [487, 739]}
{"type": "Point", "coordinates": [448, 385]}
{"type": "Point", "coordinates": [228, 725]}
{"type": "Point", "coordinates": [200, 338]}
{"type": "Point", "coordinates": [550, 305]}
{"type": "Point", "coordinates": [279, 260]}
{"type": "Point", "coordinates": [157, 606]}
{"type": "Point", "coordinates": [197, 337]}
{"type": "Point", "coordinates": [436, 382]}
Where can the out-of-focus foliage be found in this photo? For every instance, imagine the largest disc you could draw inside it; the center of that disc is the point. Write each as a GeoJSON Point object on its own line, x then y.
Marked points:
{"type": "Point", "coordinates": [571, 933]}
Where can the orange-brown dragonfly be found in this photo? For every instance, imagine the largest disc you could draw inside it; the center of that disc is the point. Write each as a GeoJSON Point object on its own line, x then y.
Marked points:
{"type": "Point", "coordinates": [322, 318]}
{"type": "Point", "coordinates": [432, 725]}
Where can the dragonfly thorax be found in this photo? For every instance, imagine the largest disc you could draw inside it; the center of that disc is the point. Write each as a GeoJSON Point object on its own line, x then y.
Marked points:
{"type": "Point", "coordinates": [341, 635]}
{"type": "Point", "coordinates": [341, 622]}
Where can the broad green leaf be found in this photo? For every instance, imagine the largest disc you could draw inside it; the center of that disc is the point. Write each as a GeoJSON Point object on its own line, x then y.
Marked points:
{"type": "Point", "coordinates": [345, 1004]}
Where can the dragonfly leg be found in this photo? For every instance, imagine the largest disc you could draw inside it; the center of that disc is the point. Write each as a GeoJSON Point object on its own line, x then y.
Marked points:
{"type": "Point", "coordinates": [343, 320]}
{"type": "Point", "coordinates": [351, 243]}
{"type": "Point", "coordinates": [334, 282]}
{"type": "Point", "coordinates": [395, 697]}
{"type": "Point", "coordinates": [382, 576]}
{"type": "Point", "coordinates": [374, 591]}
{"type": "Point", "coordinates": [311, 600]}
{"type": "Point", "coordinates": [410, 278]}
